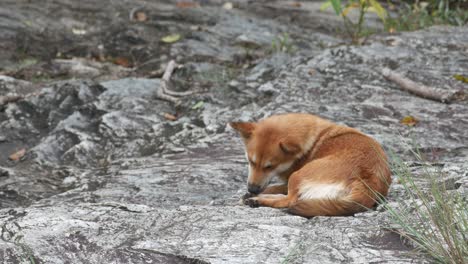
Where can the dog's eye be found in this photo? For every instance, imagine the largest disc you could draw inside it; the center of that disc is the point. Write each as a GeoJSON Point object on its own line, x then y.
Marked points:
{"type": "Point", "coordinates": [267, 167]}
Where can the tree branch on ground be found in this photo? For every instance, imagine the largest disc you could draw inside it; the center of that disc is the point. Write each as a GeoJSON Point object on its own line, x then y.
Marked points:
{"type": "Point", "coordinates": [165, 93]}
{"type": "Point", "coordinates": [421, 90]}
{"type": "Point", "coordinates": [5, 99]}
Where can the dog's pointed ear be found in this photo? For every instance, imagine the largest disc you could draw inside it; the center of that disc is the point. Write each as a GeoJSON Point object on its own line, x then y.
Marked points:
{"type": "Point", "coordinates": [289, 148]}
{"type": "Point", "coordinates": [244, 128]}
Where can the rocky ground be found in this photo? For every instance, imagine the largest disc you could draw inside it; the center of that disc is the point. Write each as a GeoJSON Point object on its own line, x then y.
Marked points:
{"type": "Point", "coordinates": [112, 174]}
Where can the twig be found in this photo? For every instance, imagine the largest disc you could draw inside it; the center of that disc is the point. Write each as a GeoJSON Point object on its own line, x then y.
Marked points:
{"type": "Point", "coordinates": [166, 78]}
{"type": "Point", "coordinates": [422, 90]}
{"type": "Point", "coordinates": [131, 14]}
{"type": "Point", "coordinates": [5, 99]}
{"type": "Point", "coordinates": [165, 97]}
{"type": "Point", "coordinates": [165, 93]}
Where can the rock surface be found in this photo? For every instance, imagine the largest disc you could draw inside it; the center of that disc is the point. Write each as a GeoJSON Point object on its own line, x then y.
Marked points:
{"type": "Point", "coordinates": [108, 178]}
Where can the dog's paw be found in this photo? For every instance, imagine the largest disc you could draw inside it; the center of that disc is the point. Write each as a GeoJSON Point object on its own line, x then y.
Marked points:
{"type": "Point", "coordinates": [252, 202]}
{"type": "Point", "coordinates": [247, 196]}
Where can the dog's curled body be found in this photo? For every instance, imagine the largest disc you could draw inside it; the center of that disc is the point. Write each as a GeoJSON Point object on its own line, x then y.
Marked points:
{"type": "Point", "coordinates": [327, 169]}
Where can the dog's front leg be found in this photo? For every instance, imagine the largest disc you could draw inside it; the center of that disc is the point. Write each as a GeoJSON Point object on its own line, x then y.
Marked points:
{"type": "Point", "coordinates": [270, 200]}
{"type": "Point", "coordinates": [272, 189]}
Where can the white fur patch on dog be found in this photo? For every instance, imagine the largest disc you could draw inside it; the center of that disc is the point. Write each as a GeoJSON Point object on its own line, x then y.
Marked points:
{"type": "Point", "coordinates": [321, 191]}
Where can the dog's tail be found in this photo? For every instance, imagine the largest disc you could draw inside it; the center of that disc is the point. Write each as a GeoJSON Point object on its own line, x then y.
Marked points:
{"type": "Point", "coordinates": [356, 201]}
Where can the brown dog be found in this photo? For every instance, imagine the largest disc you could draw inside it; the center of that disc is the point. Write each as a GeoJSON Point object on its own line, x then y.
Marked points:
{"type": "Point", "coordinates": [327, 169]}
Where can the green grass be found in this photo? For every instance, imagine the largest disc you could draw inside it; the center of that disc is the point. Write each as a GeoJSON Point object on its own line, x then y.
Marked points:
{"type": "Point", "coordinates": [429, 214]}
{"type": "Point", "coordinates": [294, 254]}
{"type": "Point", "coordinates": [404, 15]}
{"type": "Point", "coordinates": [413, 15]}
{"type": "Point", "coordinates": [27, 255]}
{"type": "Point", "coordinates": [282, 43]}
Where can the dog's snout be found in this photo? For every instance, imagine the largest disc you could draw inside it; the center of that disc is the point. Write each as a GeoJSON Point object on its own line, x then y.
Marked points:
{"type": "Point", "coordinates": [254, 188]}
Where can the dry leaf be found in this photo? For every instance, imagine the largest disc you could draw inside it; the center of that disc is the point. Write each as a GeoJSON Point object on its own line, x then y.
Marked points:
{"type": "Point", "coordinates": [461, 78]}
{"type": "Point", "coordinates": [311, 72]}
{"type": "Point", "coordinates": [122, 62]}
{"type": "Point", "coordinates": [78, 31]}
{"type": "Point", "coordinates": [296, 4]}
{"type": "Point", "coordinates": [409, 121]}
{"type": "Point", "coordinates": [198, 105]}
{"type": "Point", "coordinates": [170, 117]}
{"type": "Point", "coordinates": [195, 28]}
{"type": "Point", "coordinates": [186, 4]}
{"type": "Point", "coordinates": [17, 155]}
{"type": "Point", "coordinates": [228, 6]}
{"type": "Point", "coordinates": [171, 38]}
{"type": "Point", "coordinates": [141, 16]}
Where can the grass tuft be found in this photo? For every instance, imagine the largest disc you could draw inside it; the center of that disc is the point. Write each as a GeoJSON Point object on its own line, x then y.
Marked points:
{"type": "Point", "coordinates": [429, 214]}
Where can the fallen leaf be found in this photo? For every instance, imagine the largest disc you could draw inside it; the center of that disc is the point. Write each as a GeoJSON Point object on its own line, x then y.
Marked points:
{"type": "Point", "coordinates": [228, 6]}
{"type": "Point", "coordinates": [122, 62]}
{"type": "Point", "coordinates": [391, 30]}
{"type": "Point", "coordinates": [195, 28]}
{"type": "Point", "coordinates": [325, 6]}
{"type": "Point", "coordinates": [28, 23]}
{"type": "Point", "coordinates": [461, 78]}
{"type": "Point", "coordinates": [409, 121]}
{"type": "Point", "coordinates": [296, 4]}
{"type": "Point", "coordinates": [141, 16]}
{"type": "Point", "coordinates": [186, 4]}
{"type": "Point", "coordinates": [171, 38]}
{"type": "Point", "coordinates": [17, 155]}
{"type": "Point", "coordinates": [198, 105]}
{"type": "Point", "coordinates": [170, 117]}
{"type": "Point", "coordinates": [78, 31]}
{"type": "Point", "coordinates": [311, 72]}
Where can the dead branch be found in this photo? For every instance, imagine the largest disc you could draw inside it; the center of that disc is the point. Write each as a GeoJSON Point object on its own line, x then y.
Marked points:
{"type": "Point", "coordinates": [166, 78]}
{"type": "Point", "coordinates": [165, 93]}
{"type": "Point", "coordinates": [422, 90]}
{"type": "Point", "coordinates": [165, 97]}
{"type": "Point", "coordinates": [5, 99]}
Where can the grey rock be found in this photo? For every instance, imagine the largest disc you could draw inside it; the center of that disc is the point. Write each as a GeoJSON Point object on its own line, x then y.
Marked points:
{"type": "Point", "coordinates": [268, 66]}
{"type": "Point", "coordinates": [267, 88]}
{"type": "Point", "coordinates": [107, 179]}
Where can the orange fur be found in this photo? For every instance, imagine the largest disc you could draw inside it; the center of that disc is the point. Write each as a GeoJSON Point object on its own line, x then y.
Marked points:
{"type": "Point", "coordinates": [329, 169]}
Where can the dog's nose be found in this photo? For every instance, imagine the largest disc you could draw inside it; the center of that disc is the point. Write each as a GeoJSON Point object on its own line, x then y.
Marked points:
{"type": "Point", "coordinates": [254, 188]}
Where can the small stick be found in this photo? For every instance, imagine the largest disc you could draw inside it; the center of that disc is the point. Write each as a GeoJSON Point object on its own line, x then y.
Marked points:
{"type": "Point", "coordinates": [166, 78]}
{"type": "Point", "coordinates": [161, 95]}
{"type": "Point", "coordinates": [422, 90]}
{"type": "Point", "coordinates": [5, 99]}
{"type": "Point", "coordinates": [165, 93]}
{"type": "Point", "coordinates": [131, 15]}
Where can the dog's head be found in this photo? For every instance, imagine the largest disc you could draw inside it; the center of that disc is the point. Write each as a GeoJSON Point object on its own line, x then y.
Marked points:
{"type": "Point", "coordinates": [270, 151]}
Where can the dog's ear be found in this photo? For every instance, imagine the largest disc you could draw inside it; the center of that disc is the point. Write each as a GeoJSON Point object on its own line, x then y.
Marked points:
{"type": "Point", "coordinates": [289, 148]}
{"type": "Point", "coordinates": [244, 128]}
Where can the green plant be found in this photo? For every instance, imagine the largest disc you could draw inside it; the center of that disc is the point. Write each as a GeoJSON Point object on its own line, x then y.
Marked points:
{"type": "Point", "coordinates": [282, 43]}
{"type": "Point", "coordinates": [429, 214]}
{"type": "Point", "coordinates": [413, 15]}
{"type": "Point", "coordinates": [355, 29]}
{"type": "Point", "coordinates": [295, 253]}
{"type": "Point", "coordinates": [27, 255]}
